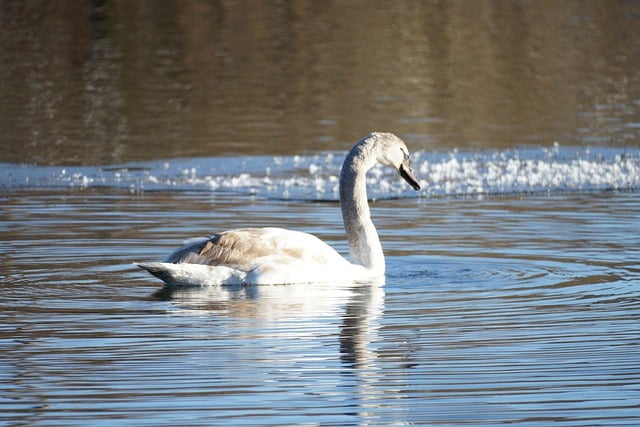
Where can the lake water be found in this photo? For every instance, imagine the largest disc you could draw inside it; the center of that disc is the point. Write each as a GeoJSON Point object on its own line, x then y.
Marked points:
{"type": "Point", "coordinates": [512, 293]}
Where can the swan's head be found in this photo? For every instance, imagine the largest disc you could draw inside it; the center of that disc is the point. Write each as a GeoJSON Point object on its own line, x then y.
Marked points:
{"type": "Point", "coordinates": [392, 151]}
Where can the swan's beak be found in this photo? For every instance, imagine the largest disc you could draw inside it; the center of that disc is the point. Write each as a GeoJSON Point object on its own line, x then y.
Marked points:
{"type": "Point", "coordinates": [407, 174]}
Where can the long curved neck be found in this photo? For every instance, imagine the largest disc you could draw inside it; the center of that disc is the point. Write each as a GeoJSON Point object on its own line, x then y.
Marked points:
{"type": "Point", "coordinates": [364, 243]}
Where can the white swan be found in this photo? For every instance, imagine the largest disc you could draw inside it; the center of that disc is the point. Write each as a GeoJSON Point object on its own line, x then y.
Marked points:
{"type": "Point", "coordinates": [277, 256]}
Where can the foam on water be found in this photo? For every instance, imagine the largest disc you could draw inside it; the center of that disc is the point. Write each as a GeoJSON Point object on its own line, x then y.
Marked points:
{"type": "Point", "coordinates": [554, 169]}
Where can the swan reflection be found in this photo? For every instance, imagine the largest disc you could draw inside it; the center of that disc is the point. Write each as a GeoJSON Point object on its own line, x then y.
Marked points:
{"type": "Point", "coordinates": [266, 302]}
{"type": "Point", "coordinates": [293, 327]}
{"type": "Point", "coordinates": [359, 306]}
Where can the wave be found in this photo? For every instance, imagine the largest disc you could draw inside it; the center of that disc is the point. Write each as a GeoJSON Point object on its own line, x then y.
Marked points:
{"type": "Point", "coordinates": [315, 176]}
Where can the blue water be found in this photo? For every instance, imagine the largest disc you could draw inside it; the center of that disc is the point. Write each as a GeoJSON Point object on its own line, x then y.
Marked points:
{"type": "Point", "coordinates": [516, 306]}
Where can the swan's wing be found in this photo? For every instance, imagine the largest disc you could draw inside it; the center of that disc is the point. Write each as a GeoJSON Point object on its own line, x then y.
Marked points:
{"type": "Point", "coordinates": [242, 247]}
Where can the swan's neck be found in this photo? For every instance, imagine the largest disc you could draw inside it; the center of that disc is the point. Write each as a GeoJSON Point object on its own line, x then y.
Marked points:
{"type": "Point", "coordinates": [364, 243]}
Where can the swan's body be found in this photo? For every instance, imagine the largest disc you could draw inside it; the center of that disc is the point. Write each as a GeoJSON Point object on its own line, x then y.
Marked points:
{"type": "Point", "coordinates": [275, 255]}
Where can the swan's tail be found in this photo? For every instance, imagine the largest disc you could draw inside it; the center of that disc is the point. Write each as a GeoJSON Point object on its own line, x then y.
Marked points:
{"type": "Point", "coordinates": [158, 269]}
{"type": "Point", "coordinates": [193, 274]}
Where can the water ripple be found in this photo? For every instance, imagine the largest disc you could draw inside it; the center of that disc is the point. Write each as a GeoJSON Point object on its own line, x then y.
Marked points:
{"type": "Point", "coordinates": [494, 311]}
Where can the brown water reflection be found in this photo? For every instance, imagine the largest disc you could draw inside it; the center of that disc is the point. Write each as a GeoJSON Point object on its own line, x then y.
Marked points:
{"type": "Point", "coordinates": [105, 82]}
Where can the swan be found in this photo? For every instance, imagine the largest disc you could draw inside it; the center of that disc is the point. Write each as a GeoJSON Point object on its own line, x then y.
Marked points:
{"type": "Point", "coordinates": [261, 256]}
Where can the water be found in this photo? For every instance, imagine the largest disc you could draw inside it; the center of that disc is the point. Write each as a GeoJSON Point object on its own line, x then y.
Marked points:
{"type": "Point", "coordinates": [512, 291]}
{"type": "Point", "coordinates": [509, 308]}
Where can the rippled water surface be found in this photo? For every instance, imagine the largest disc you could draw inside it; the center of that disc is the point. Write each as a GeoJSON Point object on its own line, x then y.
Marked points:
{"type": "Point", "coordinates": [512, 293]}
{"type": "Point", "coordinates": [505, 309]}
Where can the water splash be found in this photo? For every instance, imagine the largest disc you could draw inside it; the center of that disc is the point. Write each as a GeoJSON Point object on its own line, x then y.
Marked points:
{"type": "Point", "coordinates": [315, 177]}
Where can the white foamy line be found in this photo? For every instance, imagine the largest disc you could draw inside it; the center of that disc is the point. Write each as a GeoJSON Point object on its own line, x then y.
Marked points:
{"type": "Point", "coordinates": [549, 170]}
{"type": "Point", "coordinates": [507, 172]}
{"type": "Point", "coordinates": [454, 174]}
